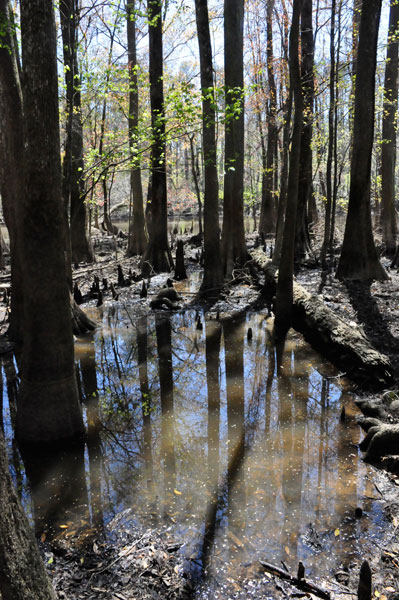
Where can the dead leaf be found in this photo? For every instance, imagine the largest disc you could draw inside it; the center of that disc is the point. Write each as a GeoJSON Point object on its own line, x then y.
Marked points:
{"type": "Point", "coordinates": [336, 532]}
{"type": "Point", "coordinates": [235, 539]}
{"type": "Point", "coordinates": [70, 534]}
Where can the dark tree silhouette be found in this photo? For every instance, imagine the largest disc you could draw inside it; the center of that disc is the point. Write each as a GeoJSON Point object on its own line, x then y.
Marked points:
{"type": "Point", "coordinates": [138, 237]}
{"type": "Point", "coordinates": [284, 294]}
{"type": "Point", "coordinates": [267, 221]}
{"type": "Point", "coordinates": [11, 169]}
{"type": "Point", "coordinates": [302, 238]}
{"type": "Point", "coordinates": [22, 572]}
{"type": "Point", "coordinates": [359, 258]}
{"type": "Point", "coordinates": [234, 251]}
{"type": "Point", "coordinates": [73, 185]}
{"type": "Point", "coordinates": [213, 276]}
{"type": "Point", "coordinates": [158, 254]}
{"type": "Point", "coordinates": [389, 124]}
{"type": "Point", "coordinates": [48, 403]}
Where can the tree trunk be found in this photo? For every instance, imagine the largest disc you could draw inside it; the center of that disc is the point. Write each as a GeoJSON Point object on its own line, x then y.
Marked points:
{"type": "Point", "coordinates": [331, 113]}
{"type": "Point", "coordinates": [196, 173]}
{"type": "Point", "coordinates": [213, 276]}
{"type": "Point", "coordinates": [389, 123]}
{"type": "Point", "coordinates": [11, 151]}
{"type": "Point", "coordinates": [180, 269]}
{"type": "Point", "coordinates": [287, 113]}
{"type": "Point", "coordinates": [138, 237]}
{"type": "Point", "coordinates": [335, 140]}
{"type": "Point", "coordinates": [359, 258]}
{"type": "Point", "coordinates": [357, 11]}
{"type": "Point", "coordinates": [267, 221]}
{"type": "Point", "coordinates": [48, 404]}
{"type": "Point", "coordinates": [284, 294]}
{"type": "Point", "coordinates": [22, 572]}
{"type": "Point", "coordinates": [157, 255]}
{"type": "Point", "coordinates": [107, 223]}
{"type": "Point", "coordinates": [73, 186]}
{"type": "Point", "coordinates": [234, 251]}
{"type": "Point", "coordinates": [302, 238]}
{"type": "Point", "coordinates": [282, 201]}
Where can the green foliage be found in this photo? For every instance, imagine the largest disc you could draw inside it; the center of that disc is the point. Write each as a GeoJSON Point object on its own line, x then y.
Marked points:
{"type": "Point", "coordinates": [8, 29]}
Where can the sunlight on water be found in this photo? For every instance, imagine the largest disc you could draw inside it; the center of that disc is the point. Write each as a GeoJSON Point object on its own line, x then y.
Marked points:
{"type": "Point", "coordinates": [190, 428]}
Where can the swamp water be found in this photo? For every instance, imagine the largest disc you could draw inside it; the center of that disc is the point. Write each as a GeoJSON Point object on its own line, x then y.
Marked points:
{"type": "Point", "coordinates": [191, 430]}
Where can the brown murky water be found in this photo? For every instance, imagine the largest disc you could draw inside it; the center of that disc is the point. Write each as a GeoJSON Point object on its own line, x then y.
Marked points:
{"type": "Point", "coordinates": [190, 429]}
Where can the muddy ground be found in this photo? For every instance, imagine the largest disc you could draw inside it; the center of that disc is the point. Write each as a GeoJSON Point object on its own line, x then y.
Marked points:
{"type": "Point", "coordinates": [125, 561]}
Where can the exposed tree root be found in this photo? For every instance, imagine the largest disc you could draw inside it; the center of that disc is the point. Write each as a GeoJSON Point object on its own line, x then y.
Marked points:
{"type": "Point", "coordinates": [381, 439]}
{"type": "Point", "coordinates": [345, 345]}
{"type": "Point", "coordinates": [81, 323]}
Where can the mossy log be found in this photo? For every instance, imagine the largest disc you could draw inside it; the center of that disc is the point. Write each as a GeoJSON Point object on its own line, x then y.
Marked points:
{"type": "Point", "coordinates": [345, 345]}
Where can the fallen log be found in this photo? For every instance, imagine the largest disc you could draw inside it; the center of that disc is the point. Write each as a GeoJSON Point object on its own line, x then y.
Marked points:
{"type": "Point", "coordinates": [345, 345]}
{"type": "Point", "coordinates": [298, 582]}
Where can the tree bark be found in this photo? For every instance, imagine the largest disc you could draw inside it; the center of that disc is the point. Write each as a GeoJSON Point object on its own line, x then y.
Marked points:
{"type": "Point", "coordinates": [389, 124]}
{"type": "Point", "coordinates": [213, 276]}
{"type": "Point", "coordinates": [48, 403]}
{"type": "Point", "coordinates": [22, 572]}
{"type": "Point", "coordinates": [267, 221]}
{"type": "Point", "coordinates": [284, 294]}
{"type": "Point", "coordinates": [234, 251]}
{"type": "Point", "coordinates": [196, 177]}
{"type": "Point", "coordinates": [180, 269]}
{"type": "Point", "coordinates": [73, 186]}
{"type": "Point", "coordinates": [336, 175]}
{"type": "Point", "coordinates": [158, 255]}
{"type": "Point", "coordinates": [302, 237]}
{"type": "Point", "coordinates": [11, 151]}
{"type": "Point", "coordinates": [357, 11]}
{"type": "Point", "coordinates": [359, 260]}
{"type": "Point", "coordinates": [138, 237]}
{"type": "Point", "coordinates": [287, 114]}
{"type": "Point", "coordinates": [331, 113]}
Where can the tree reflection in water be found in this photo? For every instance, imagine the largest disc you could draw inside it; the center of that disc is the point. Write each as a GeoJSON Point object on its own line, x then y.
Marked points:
{"type": "Point", "coordinates": [93, 429]}
{"type": "Point", "coordinates": [146, 400]}
{"type": "Point", "coordinates": [239, 458]}
{"type": "Point", "coordinates": [164, 344]}
{"type": "Point", "coordinates": [57, 481]}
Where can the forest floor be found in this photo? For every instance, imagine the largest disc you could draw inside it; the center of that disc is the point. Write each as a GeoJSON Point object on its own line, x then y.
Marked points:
{"type": "Point", "coordinates": [146, 564]}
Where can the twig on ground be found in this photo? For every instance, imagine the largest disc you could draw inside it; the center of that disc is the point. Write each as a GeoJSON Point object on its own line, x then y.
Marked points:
{"type": "Point", "coordinates": [302, 584]}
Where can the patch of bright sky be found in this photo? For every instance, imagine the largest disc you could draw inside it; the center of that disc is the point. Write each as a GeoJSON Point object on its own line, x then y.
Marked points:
{"type": "Point", "coordinates": [180, 41]}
